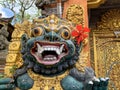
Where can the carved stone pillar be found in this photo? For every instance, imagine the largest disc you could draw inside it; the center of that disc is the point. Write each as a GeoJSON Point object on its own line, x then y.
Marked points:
{"type": "Point", "coordinates": [76, 12]}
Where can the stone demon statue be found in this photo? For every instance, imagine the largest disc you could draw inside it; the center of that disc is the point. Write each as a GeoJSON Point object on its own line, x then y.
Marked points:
{"type": "Point", "coordinates": [50, 57]}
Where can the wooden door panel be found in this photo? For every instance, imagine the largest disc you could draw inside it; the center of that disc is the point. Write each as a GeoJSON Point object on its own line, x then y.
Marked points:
{"type": "Point", "coordinates": [107, 58]}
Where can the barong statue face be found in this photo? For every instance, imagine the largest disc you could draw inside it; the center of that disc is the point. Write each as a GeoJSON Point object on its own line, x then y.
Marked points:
{"type": "Point", "coordinates": [51, 49]}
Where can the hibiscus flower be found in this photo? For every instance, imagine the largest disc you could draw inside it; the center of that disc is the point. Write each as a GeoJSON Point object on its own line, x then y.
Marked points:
{"type": "Point", "coordinates": [80, 33]}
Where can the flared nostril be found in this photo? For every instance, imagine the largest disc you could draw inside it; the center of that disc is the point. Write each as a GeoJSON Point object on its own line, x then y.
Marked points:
{"type": "Point", "coordinates": [47, 38]}
{"type": "Point", "coordinates": [56, 39]}
{"type": "Point", "coordinates": [52, 37]}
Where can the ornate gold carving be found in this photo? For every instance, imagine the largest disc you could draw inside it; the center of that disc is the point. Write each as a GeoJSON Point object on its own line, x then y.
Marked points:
{"type": "Point", "coordinates": [75, 14]}
{"type": "Point", "coordinates": [14, 46]}
{"type": "Point", "coordinates": [11, 58]}
{"type": "Point", "coordinates": [14, 57]}
{"type": "Point", "coordinates": [106, 55]}
{"type": "Point", "coordinates": [46, 83]}
{"type": "Point", "coordinates": [20, 29]}
{"type": "Point", "coordinates": [110, 20]}
{"type": "Point", "coordinates": [106, 48]}
{"type": "Point", "coordinates": [83, 61]}
{"type": "Point", "coordinates": [53, 23]}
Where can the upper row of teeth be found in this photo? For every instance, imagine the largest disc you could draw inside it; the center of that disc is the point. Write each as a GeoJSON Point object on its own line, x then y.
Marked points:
{"type": "Point", "coordinates": [40, 49]}
{"type": "Point", "coordinates": [50, 48]}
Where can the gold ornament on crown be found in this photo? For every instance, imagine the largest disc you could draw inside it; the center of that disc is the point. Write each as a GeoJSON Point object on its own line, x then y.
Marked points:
{"type": "Point", "coordinates": [52, 22]}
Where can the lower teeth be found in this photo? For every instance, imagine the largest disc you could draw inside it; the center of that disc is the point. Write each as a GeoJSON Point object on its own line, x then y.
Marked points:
{"type": "Point", "coordinates": [49, 59]}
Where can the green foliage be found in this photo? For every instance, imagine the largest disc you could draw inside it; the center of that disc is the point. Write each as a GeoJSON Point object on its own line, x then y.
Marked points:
{"type": "Point", "coordinates": [23, 9]}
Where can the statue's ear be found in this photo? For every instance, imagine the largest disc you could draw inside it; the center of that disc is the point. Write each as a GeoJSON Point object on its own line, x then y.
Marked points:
{"type": "Point", "coordinates": [24, 39]}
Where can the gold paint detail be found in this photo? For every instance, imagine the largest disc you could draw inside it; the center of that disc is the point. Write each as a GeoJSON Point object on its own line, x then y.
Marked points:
{"type": "Point", "coordinates": [11, 58]}
{"type": "Point", "coordinates": [110, 20]}
{"type": "Point", "coordinates": [75, 14]}
{"type": "Point", "coordinates": [94, 3]}
{"type": "Point", "coordinates": [65, 34]}
{"type": "Point", "coordinates": [46, 83]}
{"type": "Point", "coordinates": [14, 46]}
{"type": "Point", "coordinates": [51, 23]}
{"type": "Point", "coordinates": [82, 62]}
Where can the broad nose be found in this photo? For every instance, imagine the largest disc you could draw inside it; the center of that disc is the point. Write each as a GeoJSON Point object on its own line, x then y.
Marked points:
{"type": "Point", "coordinates": [52, 36]}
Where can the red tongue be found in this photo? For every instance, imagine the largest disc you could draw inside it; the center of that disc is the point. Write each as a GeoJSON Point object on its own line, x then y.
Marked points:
{"type": "Point", "coordinates": [49, 56]}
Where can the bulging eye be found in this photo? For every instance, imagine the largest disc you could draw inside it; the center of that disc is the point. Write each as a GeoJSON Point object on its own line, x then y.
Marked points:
{"type": "Point", "coordinates": [65, 34]}
{"type": "Point", "coordinates": [38, 31]}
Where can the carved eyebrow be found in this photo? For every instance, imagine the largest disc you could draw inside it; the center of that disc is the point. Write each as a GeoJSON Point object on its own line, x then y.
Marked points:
{"type": "Point", "coordinates": [40, 25]}
{"type": "Point", "coordinates": [63, 27]}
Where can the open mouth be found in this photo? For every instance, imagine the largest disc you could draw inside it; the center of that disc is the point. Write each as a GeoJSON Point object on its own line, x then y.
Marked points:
{"type": "Point", "coordinates": [49, 53]}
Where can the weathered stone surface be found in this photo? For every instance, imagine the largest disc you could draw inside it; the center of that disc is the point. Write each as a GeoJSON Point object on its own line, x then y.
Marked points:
{"type": "Point", "coordinates": [3, 38]}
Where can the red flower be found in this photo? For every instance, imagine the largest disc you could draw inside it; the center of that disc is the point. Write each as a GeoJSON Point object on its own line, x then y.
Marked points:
{"type": "Point", "coordinates": [80, 33]}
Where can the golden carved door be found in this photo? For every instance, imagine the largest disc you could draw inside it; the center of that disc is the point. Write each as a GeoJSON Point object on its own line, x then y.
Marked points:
{"type": "Point", "coordinates": [107, 57]}
{"type": "Point", "coordinates": [105, 48]}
